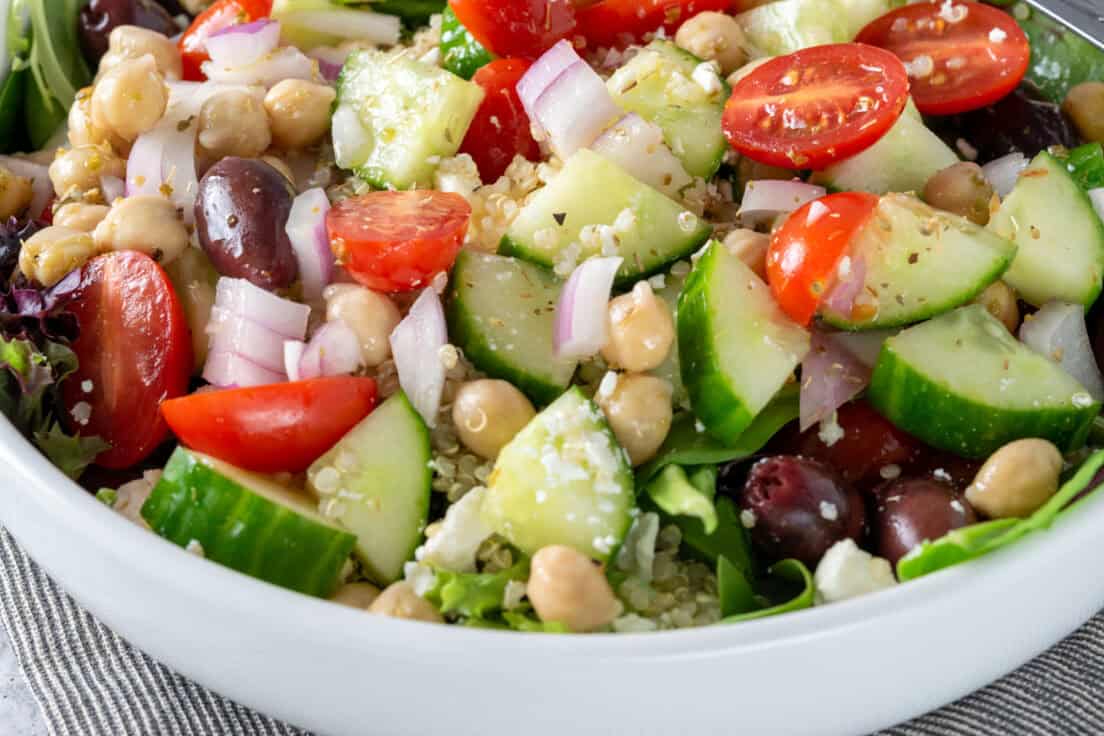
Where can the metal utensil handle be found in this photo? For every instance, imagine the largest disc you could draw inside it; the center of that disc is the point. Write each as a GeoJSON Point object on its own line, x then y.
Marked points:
{"type": "Point", "coordinates": [1085, 17]}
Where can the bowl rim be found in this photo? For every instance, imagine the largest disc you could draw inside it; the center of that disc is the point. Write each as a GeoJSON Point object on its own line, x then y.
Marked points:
{"type": "Point", "coordinates": [83, 516]}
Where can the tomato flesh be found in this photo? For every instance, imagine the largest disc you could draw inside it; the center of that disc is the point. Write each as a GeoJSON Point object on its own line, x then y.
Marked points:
{"type": "Point", "coordinates": [223, 14]}
{"type": "Point", "coordinates": [960, 56]}
{"type": "Point", "coordinates": [817, 106]}
{"type": "Point", "coordinates": [516, 28]}
{"type": "Point", "coordinates": [501, 128]}
{"type": "Point", "coordinates": [618, 23]}
{"type": "Point", "coordinates": [398, 241]}
{"type": "Point", "coordinates": [804, 254]}
{"type": "Point", "coordinates": [134, 351]}
{"type": "Point", "coordinates": [280, 427]}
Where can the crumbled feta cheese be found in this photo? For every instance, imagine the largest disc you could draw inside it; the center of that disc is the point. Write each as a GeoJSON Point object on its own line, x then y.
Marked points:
{"type": "Point", "coordinates": [81, 412]}
{"type": "Point", "coordinates": [86, 386]}
{"type": "Point", "coordinates": [421, 577]}
{"type": "Point", "coordinates": [637, 554]}
{"type": "Point", "coordinates": [193, 547]}
{"type": "Point", "coordinates": [129, 497]}
{"type": "Point", "coordinates": [941, 474]}
{"type": "Point", "coordinates": [707, 76]}
{"type": "Point", "coordinates": [846, 571]}
{"type": "Point", "coordinates": [828, 511]}
{"type": "Point", "coordinates": [997, 35]}
{"type": "Point", "coordinates": [1081, 400]}
{"type": "Point", "coordinates": [830, 430]}
{"type": "Point", "coordinates": [890, 472]}
{"type": "Point", "coordinates": [952, 13]}
{"type": "Point", "coordinates": [658, 281]}
{"type": "Point", "coordinates": [747, 519]}
{"type": "Point", "coordinates": [608, 385]}
{"type": "Point", "coordinates": [455, 544]}
{"type": "Point", "coordinates": [449, 356]}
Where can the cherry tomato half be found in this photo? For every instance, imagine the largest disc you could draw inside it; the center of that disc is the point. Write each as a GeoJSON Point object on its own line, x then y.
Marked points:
{"type": "Point", "coordinates": [398, 241]}
{"type": "Point", "coordinates": [223, 14]}
{"type": "Point", "coordinates": [280, 427]}
{"type": "Point", "coordinates": [501, 128]}
{"type": "Point", "coordinates": [960, 56]}
{"type": "Point", "coordinates": [817, 106]}
{"type": "Point", "coordinates": [517, 28]}
{"type": "Point", "coordinates": [134, 351]}
{"type": "Point", "coordinates": [805, 252]}
{"type": "Point", "coordinates": [618, 23]}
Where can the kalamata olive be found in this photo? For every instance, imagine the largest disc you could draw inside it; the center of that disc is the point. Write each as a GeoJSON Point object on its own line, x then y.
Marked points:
{"type": "Point", "coordinates": [100, 17]}
{"type": "Point", "coordinates": [796, 507]}
{"type": "Point", "coordinates": [911, 510]}
{"type": "Point", "coordinates": [241, 210]}
{"type": "Point", "coordinates": [1022, 121]}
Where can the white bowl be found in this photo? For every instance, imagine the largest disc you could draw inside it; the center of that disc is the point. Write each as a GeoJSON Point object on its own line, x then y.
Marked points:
{"type": "Point", "coordinates": [848, 668]}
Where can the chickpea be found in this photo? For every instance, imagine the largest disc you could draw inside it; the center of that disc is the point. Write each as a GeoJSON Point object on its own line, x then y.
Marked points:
{"type": "Point", "coordinates": [76, 172]}
{"type": "Point", "coordinates": [233, 123]}
{"type": "Point", "coordinates": [16, 193]}
{"type": "Point", "coordinates": [299, 111]}
{"type": "Point", "coordinates": [1085, 106]}
{"type": "Point", "coordinates": [82, 131]}
{"type": "Point", "coordinates": [53, 252]}
{"type": "Point", "coordinates": [1000, 301]}
{"type": "Point", "coordinates": [714, 37]}
{"type": "Point", "coordinates": [134, 42]}
{"type": "Point", "coordinates": [566, 586]}
{"type": "Point", "coordinates": [1016, 479]}
{"type": "Point", "coordinates": [193, 277]}
{"type": "Point", "coordinates": [130, 98]}
{"type": "Point", "coordinates": [751, 248]}
{"type": "Point", "coordinates": [641, 330]}
{"type": "Point", "coordinates": [961, 189]}
{"type": "Point", "coordinates": [356, 595]}
{"type": "Point", "coordinates": [638, 409]}
{"type": "Point", "coordinates": [371, 315]}
{"type": "Point", "coordinates": [488, 413]}
{"type": "Point", "coordinates": [147, 223]}
{"type": "Point", "coordinates": [80, 216]}
{"type": "Point", "coordinates": [399, 600]}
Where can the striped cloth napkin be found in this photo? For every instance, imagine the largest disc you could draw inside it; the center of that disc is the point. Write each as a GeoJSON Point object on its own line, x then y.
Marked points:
{"type": "Point", "coordinates": [89, 682]}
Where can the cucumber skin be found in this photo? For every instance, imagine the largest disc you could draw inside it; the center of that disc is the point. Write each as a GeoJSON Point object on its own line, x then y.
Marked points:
{"type": "Point", "coordinates": [966, 427]}
{"type": "Point", "coordinates": [193, 502]}
{"type": "Point", "coordinates": [461, 54]}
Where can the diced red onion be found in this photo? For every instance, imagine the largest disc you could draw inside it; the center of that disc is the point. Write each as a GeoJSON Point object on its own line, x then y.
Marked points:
{"type": "Point", "coordinates": [1058, 331]}
{"type": "Point", "coordinates": [232, 333]}
{"type": "Point", "coordinates": [293, 354]}
{"type": "Point", "coordinates": [306, 229]}
{"type": "Point", "coordinates": [282, 316]}
{"type": "Point", "coordinates": [41, 187]}
{"type": "Point", "coordinates": [830, 377]}
{"type": "Point", "coordinates": [285, 62]}
{"type": "Point", "coordinates": [637, 146]}
{"type": "Point", "coordinates": [865, 346]}
{"type": "Point", "coordinates": [850, 278]}
{"type": "Point", "coordinates": [329, 71]}
{"type": "Point", "coordinates": [1096, 196]}
{"type": "Point", "coordinates": [229, 369]}
{"type": "Point", "coordinates": [416, 345]}
{"type": "Point", "coordinates": [764, 199]}
{"type": "Point", "coordinates": [362, 25]}
{"type": "Point", "coordinates": [543, 72]}
{"type": "Point", "coordinates": [112, 188]}
{"type": "Point", "coordinates": [243, 44]}
{"type": "Point", "coordinates": [1003, 172]}
{"type": "Point", "coordinates": [333, 350]}
{"type": "Point", "coordinates": [581, 312]}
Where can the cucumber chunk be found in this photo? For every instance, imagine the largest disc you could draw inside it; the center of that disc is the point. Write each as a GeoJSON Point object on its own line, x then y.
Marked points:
{"type": "Point", "coordinates": [247, 522]}
{"type": "Point", "coordinates": [902, 161]}
{"type": "Point", "coordinates": [658, 84]}
{"type": "Point", "coordinates": [963, 384]}
{"type": "Point", "coordinates": [562, 480]}
{"type": "Point", "coordinates": [397, 117]}
{"type": "Point", "coordinates": [919, 262]}
{"type": "Point", "coordinates": [1061, 238]}
{"type": "Point", "coordinates": [736, 347]}
{"type": "Point", "coordinates": [501, 313]}
{"type": "Point", "coordinates": [375, 482]}
{"type": "Point", "coordinates": [594, 207]}
{"type": "Point", "coordinates": [785, 26]}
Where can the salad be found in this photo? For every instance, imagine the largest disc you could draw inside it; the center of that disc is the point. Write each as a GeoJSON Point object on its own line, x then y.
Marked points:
{"type": "Point", "coordinates": [558, 316]}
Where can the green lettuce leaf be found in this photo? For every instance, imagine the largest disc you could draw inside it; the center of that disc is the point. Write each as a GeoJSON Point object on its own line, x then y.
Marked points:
{"type": "Point", "coordinates": [676, 494]}
{"type": "Point", "coordinates": [474, 595]}
{"type": "Point", "coordinates": [787, 587]}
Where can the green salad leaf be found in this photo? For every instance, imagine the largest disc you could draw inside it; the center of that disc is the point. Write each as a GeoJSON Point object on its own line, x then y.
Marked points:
{"type": "Point", "coordinates": [1060, 59]}
{"type": "Point", "coordinates": [676, 494]}
{"type": "Point", "coordinates": [471, 594]}
{"type": "Point", "coordinates": [57, 66]}
{"type": "Point", "coordinates": [729, 540]}
{"type": "Point", "coordinates": [461, 54]}
{"type": "Point", "coordinates": [973, 541]}
{"type": "Point", "coordinates": [1086, 164]}
{"type": "Point", "coordinates": [788, 586]}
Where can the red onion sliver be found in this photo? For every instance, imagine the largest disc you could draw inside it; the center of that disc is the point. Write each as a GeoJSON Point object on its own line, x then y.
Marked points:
{"type": "Point", "coordinates": [1096, 196]}
{"type": "Point", "coordinates": [306, 229]}
{"type": "Point", "coordinates": [581, 311]}
{"type": "Point", "coordinates": [1058, 331]}
{"type": "Point", "coordinates": [333, 350]}
{"type": "Point", "coordinates": [1003, 172]}
{"type": "Point", "coordinates": [283, 316]}
{"type": "Point", "coordinates": [850, 278]}
{"type": "Point", "coordinates": [864, 346]}
{"type": "Point", "coordinates": [416, 346]}
{"type": "Point", "coordinates": [285, 62]}
{"type": "Point", "coordinates": [767, 198]}
{"type": "Point", "coordinates": [243, 44]}
{"type": "Point", "coordinates": [112, 188]}
{"type": "Point", "coordinates": [830, 377]}
{"type": "Point", "coordinates": [232, 333]}
{"type": "Point", "coordinates": [637, 146]}
{"type": "Point", "coordinates": [41, 187]}
{"type": "Point", "coordinates": [293, 354]}
{"type": "Point", "coordinates": [542, 73]}
{"type": "Point", "coordinates": [228, 369]}
{"type": "Point", "coordinates": [575, 109]}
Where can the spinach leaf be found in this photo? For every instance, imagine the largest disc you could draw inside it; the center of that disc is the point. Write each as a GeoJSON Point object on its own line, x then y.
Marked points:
{"type": "Point", "coordinates": [788, 587]}
{"type": "Point", "coordinates": [976, 540]}
{"type": "Point", "coordinates": [1060, 59]}
{"type": "Point", "coordinates": [519, 621]}
{"type": "Point", "coordinates": [413, 12]}
{"type": "Point", "coordinates": [675, 494]}
{"type": "Point", "coordinates": [461, 54]}
{"type": "Point", "coordinates": [57, 66]}
{"type": "Point", "coordinates": [1086, 164]}
{"type": "Point", "coordinates": [729, 539]}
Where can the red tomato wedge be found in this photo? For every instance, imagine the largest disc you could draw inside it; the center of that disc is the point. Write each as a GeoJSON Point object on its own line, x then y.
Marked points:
{"type": "Point", "coordinates": [501, 128]}
{"type": "Point", "coordinates": [135, 351]}
{"type": "Point", "coordinates": [223, 14]}
{"type": "Point", "coordinates": [817, 106]}
{"type": "Point", "coordinates": [618, 23]}
{"type": "Point", "coordinates": [398, 241]}
{"type": "Point", "coordinates": [516, 28]}
{"type": "Point", "coordinates": [280, 427]}
{"type": "Point", "coordinates": [805, 252]}
{"type": "Point", "coordinates": [960, 56]}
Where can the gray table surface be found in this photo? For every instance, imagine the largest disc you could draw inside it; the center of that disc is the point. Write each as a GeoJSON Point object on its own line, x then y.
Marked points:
{"type": "Point", "coordinates": [19, 714]}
